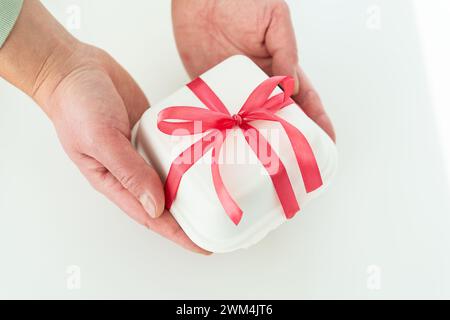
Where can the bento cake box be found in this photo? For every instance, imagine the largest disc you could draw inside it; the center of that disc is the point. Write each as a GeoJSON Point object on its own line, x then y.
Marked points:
{"type": "Point", "coordinates": [196, 204]}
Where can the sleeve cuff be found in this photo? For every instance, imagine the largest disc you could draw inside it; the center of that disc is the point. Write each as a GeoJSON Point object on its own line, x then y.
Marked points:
{"type": "Point", "coordinates": [9, 11]}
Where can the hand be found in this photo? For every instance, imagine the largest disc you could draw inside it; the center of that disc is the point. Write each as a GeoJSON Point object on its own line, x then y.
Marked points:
{"type": "Point", "coordinates": [209, 31]}
{"type": "Point", "coordinates": [93, 103]}
{"type": "Point", "coordinates": [93, 109]}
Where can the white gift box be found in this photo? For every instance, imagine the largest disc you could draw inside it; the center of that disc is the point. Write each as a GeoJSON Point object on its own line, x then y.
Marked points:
{"type": "Point", "coordinates": [197, 207]}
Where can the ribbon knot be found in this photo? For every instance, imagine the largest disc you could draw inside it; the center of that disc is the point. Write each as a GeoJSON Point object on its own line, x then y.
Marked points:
{"type": "Point", "coordinates": [237, 120]}
{"type": "Point", "coordinates": [215, 121]}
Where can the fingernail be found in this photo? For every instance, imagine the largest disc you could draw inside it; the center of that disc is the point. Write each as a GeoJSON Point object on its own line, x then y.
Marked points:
{"type": "Point", "coordinates": [148, 204]}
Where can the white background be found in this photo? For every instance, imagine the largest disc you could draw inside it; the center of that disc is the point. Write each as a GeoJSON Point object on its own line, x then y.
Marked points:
{"type": "Point", "coordinates": [381, 231]}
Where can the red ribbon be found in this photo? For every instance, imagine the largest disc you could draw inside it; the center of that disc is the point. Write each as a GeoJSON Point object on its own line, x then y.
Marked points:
{"type": "Point", "coordinates": [216, 121]}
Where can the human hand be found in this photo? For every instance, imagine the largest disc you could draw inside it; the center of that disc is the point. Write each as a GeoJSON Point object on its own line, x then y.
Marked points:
{"type": "Point", "coordinates": [93, 109]}
{"type": "Point", "coordinates": [93, 103]}
{"type": "Point", "coordinates": [209, 31]}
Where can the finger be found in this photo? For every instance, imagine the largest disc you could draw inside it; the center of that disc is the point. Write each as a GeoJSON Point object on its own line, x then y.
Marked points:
{"type": "Point", "coordinates": [103, 181]}
{"type": "Point", "coordinates": [281, 45]}
{"type": "Point", "coordinates": [167, 226]}
{"type": "Point", "coordinates": [309, 100]}
{"type": "Point", "coordinates": [281, 42]}
{"type": "Point", "coordinates": [115, 152]}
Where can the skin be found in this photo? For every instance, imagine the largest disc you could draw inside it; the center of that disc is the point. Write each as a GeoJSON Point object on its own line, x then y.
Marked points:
{"type": "Point", "coordinates": [93, 102]}
{"type": "Point", "coordinates": [209, 31]}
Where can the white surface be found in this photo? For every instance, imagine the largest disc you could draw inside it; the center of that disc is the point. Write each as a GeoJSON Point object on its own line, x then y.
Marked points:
{"type": "Point", "coordinates": [380, 232]}
{"type": "Point", "coordinates": [197, 207]}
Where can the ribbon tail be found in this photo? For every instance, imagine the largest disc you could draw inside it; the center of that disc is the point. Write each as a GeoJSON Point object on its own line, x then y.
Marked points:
{"type": "Point", "coordinates": [231, 208]}
{"type": "Point", "coordinates": [183, 163]}
{"type": "Point", "coordinates": [279, 176]}
{"type": "Point", "coordinates": [304, 154]}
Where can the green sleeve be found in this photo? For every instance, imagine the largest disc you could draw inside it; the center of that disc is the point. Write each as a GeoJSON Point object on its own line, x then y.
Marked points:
{"type": "Point", "coordinates": [9, 11]}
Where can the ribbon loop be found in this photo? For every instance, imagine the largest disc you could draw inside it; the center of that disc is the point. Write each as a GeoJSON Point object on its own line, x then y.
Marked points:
{"type": "Point", "coordinates": [215, 120]}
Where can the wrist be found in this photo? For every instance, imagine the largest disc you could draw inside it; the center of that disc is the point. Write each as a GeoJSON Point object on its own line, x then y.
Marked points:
{"type": "Point", "coordinates": [63, 70]}
{"type": "Point", "coordinates": [36, 51]}
{"type": "Point", "coordinates": [57, 65]}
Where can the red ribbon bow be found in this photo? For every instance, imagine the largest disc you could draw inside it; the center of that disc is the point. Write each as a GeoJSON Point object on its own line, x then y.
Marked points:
{"type": "Point", "coordinates": [216, 121]}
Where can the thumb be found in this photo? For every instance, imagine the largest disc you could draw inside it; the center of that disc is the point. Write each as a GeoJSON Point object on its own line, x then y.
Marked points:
{"type": "Point", "coordinates": [130, 169]}
{"type": "Point", "coordinates": [281, 43]}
